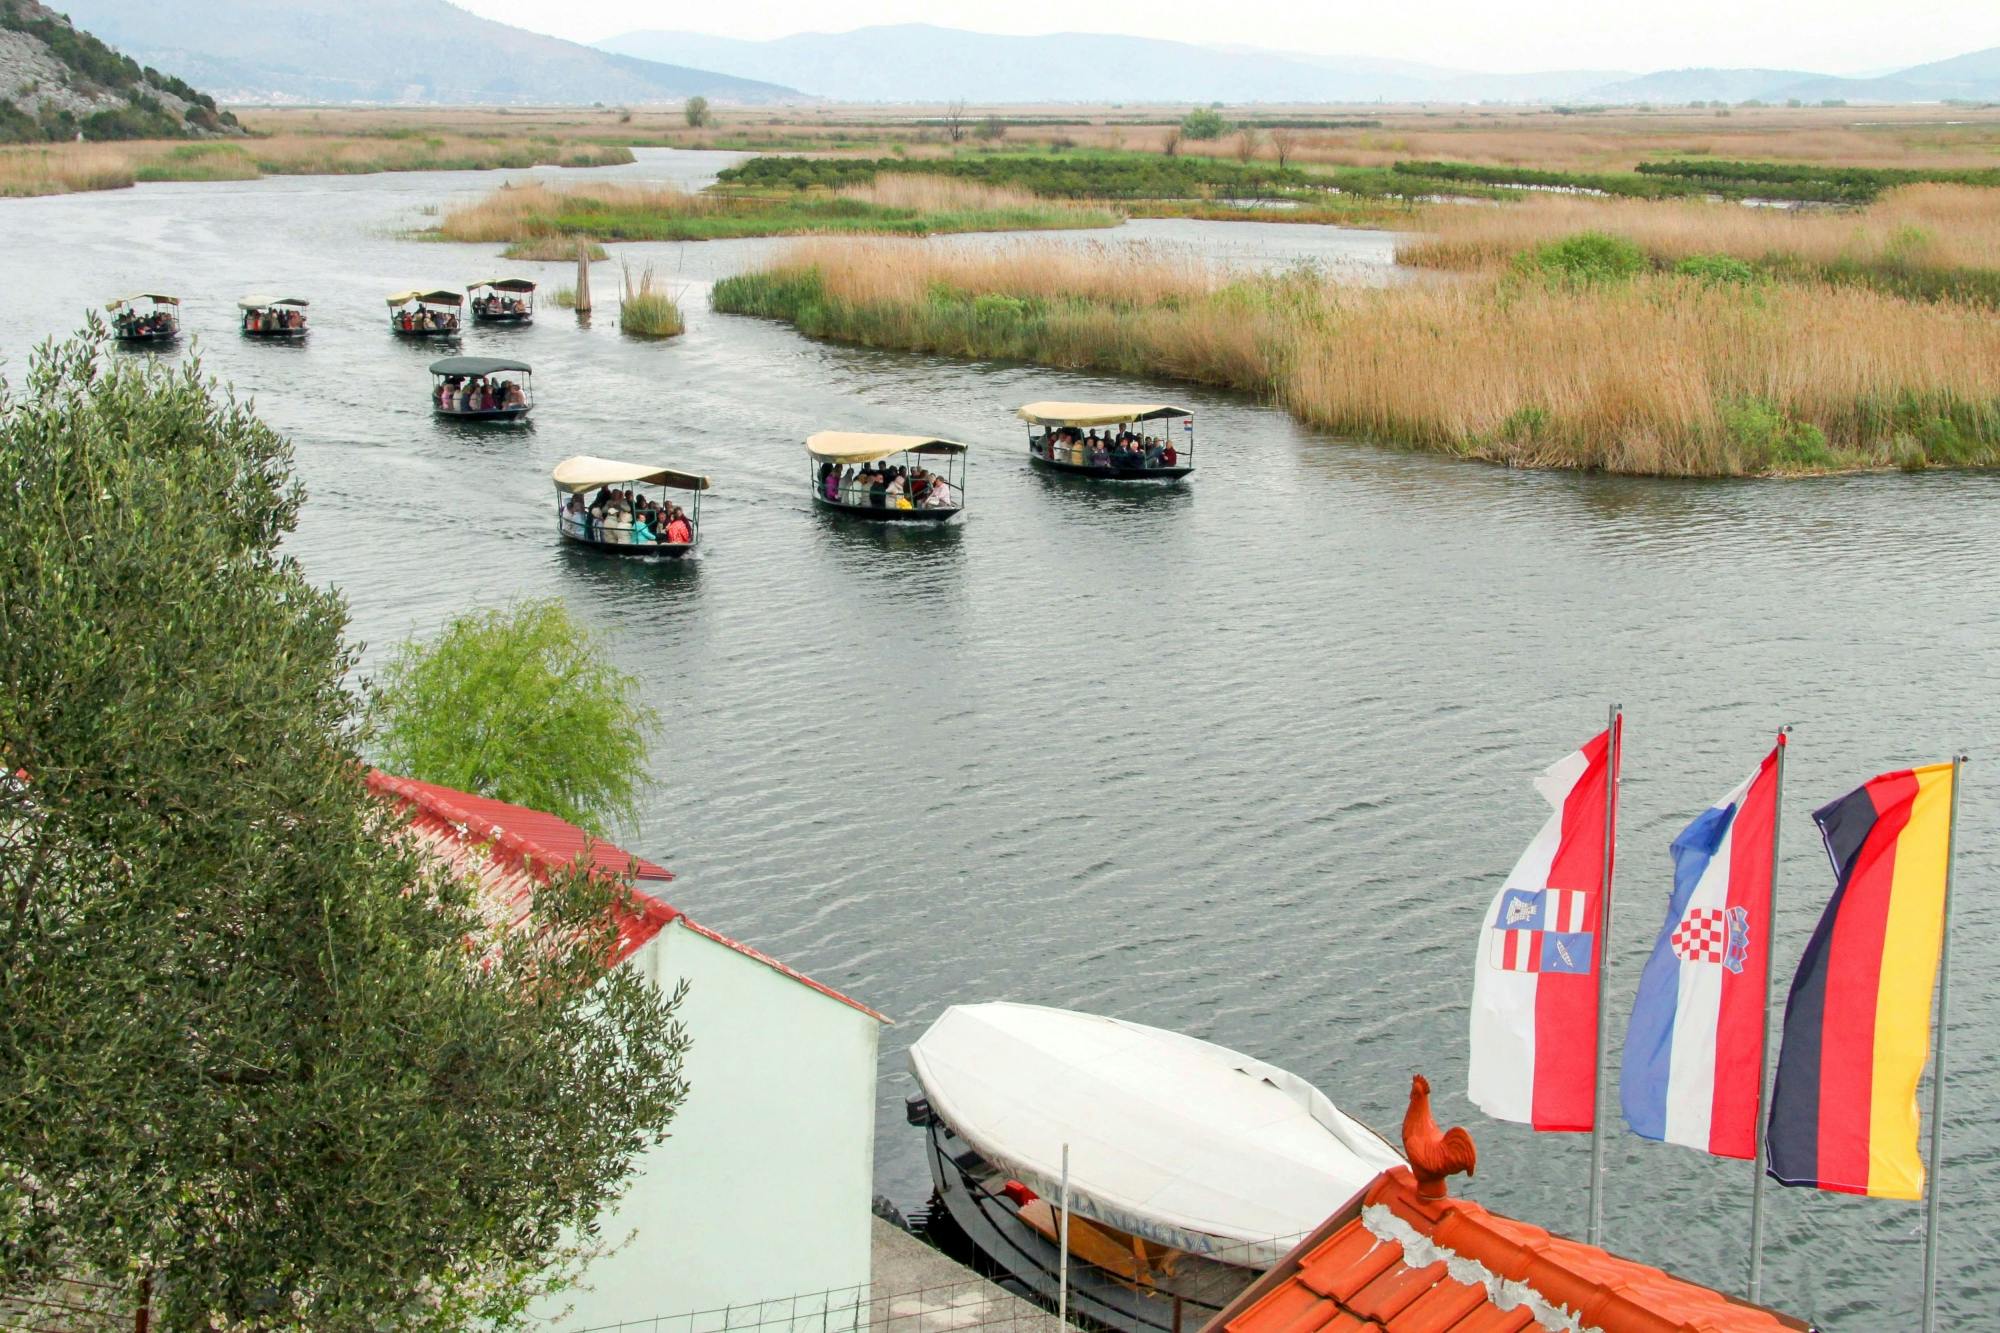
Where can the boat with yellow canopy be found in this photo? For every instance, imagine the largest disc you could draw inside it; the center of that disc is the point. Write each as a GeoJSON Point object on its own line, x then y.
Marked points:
{"type": "Point", "coordinates": [157, 320]}
{"type": "Point", "coordinates": [277, 317]}
{"type": "Point", "coordinates": [596, 506]}
{"type": "Point", "coordinates": [1111, 441]}
{"type": "Point", "coordinates": [502, 301]}
{"type": "Point", "coordinates": [421, 314]}
{"type": "Point", "coordinates": [887, 478]}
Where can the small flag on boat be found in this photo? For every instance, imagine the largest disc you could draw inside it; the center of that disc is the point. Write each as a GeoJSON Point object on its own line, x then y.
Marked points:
{"type": "Point", "coordinates": [1857, 1023]}
{"type": "Point", "coordinates": [1534, 989]}
{"type": "Point", "coordinates": [1694, 1051]}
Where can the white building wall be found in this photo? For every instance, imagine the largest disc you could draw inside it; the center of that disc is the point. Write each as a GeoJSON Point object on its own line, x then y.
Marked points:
{"type": "Point", "coordinates": [763, 1190]}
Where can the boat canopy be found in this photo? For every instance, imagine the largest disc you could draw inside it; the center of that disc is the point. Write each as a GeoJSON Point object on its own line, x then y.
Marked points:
{"type": "Point", "coordinates": [1171, 1138]}
{"type": "Point", "coordinates": [438, 297]}
{"type": "Point", "coordinates": [266, 302]}
{"type": "Point", "coordinates": [584, 473]}
{"type": "Point", "coordinates": [1096, 414]}
{"type": "Point", "coordinates": [479, 365]}
{"type": "Point", "coordinates": [846, 446]}
{"type": "Point", "coordinates": [157, 298]}
{"type": "Point", "coordinates": [506, 284]}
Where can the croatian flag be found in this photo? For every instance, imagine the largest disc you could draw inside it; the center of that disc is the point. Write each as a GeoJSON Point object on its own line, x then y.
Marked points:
{"type": "Point", "coordinates": [1534, 988]}
{"type": "Point", "coordinates": [1694, 1051]}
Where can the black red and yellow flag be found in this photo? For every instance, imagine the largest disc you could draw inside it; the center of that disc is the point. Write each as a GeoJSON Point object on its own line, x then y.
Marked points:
{"type": "Point", "coordinates": [1857, 1024]}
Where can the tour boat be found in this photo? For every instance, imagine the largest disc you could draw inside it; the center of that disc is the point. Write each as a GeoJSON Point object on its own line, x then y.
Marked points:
{"type": "Point", "coordinates": [1191, 1167]}
{"type": "Point", "coordinates": [583, 474]}
{"type": "Point", "coordinates": [457, 380]}
{"type": "Point", "coordinates": [502, 301]}
{"type": "Point", "coordinates": [277, 317]}
{"type": "Point", "coordinates": [839, 458]}
{"type": "Point", "coordinates": [1051, 449]}
{"type": "Point", "coordinates": [415, 314]}
{"type": "Point", "coordinates": [159, 321]}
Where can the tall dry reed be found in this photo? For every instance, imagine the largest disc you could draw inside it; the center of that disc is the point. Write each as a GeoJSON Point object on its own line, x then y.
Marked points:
{"type": "Point", "coordinates": [1663, 375]}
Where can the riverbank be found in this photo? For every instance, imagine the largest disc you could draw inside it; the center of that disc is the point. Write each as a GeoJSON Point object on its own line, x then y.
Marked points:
{"type": "Point", "coordinates": [1658, 374]}
{"type": "Point", "coordinates": [532, 217]}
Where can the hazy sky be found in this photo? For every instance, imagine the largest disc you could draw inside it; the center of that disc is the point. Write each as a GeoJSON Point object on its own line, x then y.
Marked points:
{"type": "Point", "coordinates": [1831, 36]}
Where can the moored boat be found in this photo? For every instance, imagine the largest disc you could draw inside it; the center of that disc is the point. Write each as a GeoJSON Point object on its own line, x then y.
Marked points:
{"type": "Point", "coordinates": [1098, 440]}
{"type": "Point", "coordinates": [1191, 1167]}
{"type": "Point", "coordinates": [502, 301]}
{"type": "Point", "coordinates": [158, 320]}
{"type": "Point", "coordinates": [615, 520]}
{"type": "Point", "coordinates": [277, 317]}
{"type": "Point", "coordinates": [419, 314]}
{"type": "Point", "coordinates": [470, 388]}
{"type": "Point", "coordinates": [887, 478]}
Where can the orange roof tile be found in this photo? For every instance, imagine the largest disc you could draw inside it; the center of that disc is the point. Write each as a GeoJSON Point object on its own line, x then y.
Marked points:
{"type": "Point", "coordinates": [1353, 1274]}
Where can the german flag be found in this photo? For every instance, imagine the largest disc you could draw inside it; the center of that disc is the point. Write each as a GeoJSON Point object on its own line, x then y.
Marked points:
{"type": "Point", "coordinates": [1857, 1025]}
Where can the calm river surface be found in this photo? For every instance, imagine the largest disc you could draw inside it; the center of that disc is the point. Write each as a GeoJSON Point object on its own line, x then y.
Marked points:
{"type": "Point", "coordinates": [1244, 758]}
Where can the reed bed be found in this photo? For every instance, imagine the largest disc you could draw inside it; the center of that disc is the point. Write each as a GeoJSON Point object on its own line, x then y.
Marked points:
{"type": "Point", "coordinates": [1936, 226]}
{"type": "Point", "coordinates": [1663, 375]}
{"type": "Point", "coordinates": [646, 309]}
{"type": "Point", "coordinates": [525, 213]}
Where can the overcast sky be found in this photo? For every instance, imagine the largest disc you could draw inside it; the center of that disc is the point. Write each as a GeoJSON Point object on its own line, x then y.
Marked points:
{"type": "Point", "coordinates": [1829, 36]}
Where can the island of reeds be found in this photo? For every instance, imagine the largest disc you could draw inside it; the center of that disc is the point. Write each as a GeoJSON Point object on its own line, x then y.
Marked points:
{"type": "Point", "coordinates": [1680, 338]}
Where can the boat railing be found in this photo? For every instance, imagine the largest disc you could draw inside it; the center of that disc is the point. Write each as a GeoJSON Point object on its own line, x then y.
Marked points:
{"type": "Point", "coordinates": [863, 497]}
{"type": "Point", "coordinates": [1077, 455]}
{"type": "Point", "coordinates": [960, 1307]}
{"type": "Point", "coordinates": [616, 534]}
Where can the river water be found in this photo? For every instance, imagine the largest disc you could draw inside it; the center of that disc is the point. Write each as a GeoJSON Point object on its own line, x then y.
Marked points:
{"type": "Point", "coordinates": [1244, 758]}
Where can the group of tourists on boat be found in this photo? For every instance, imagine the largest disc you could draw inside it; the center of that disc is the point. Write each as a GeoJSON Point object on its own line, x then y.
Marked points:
{"type": "Point", "coordinates": [879, 487]}
{"type": "Point", "coordinates": [503, 301]}
{"type": "Point", "coordinates": [623, 517]}
{"type": "Point", "coordinates": [477, 393]}
{"type": "Point", "coordinates": [423, 319]}
{"type": "Point", "coordinates": [157, 322]}
{"type": "Point", "coordinates": [273, 316]}
{"type": "Point", "coordinates": [1124, 449]}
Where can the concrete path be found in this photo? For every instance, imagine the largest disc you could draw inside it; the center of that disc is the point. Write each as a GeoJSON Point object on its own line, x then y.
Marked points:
{"type": "Point", "coordinates": [918, 1289]}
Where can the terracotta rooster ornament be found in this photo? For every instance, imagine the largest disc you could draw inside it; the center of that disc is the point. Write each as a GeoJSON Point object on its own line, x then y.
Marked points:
{"type": "Point", "coordinates": [1433, 1153]}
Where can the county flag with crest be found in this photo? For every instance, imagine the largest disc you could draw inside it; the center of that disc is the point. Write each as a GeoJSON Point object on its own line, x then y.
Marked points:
{"type": "Point", "coordinates": [1694, 1051]}
{"type": "Point", "coordinates": [1534, 988]}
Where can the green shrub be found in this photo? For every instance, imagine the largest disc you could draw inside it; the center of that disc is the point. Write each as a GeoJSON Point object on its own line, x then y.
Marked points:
{"type": "Point", "coordinates": [1203, 123]}
{"type": "Point", "coordinates": [1587, 259]}
{"type": "Point", "coordinates": [1719, 271]}
{"type": "Point", "coordinates": [1772, 438]}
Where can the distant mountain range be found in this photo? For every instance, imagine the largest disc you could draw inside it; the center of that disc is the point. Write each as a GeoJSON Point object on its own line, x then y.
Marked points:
{"type": "Point", "coordinates": [386, 51]}
{"type": "Point", "coordinates": [918, 62]}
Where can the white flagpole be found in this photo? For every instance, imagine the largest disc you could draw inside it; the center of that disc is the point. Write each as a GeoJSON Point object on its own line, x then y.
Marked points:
{"type": "Point", "coordinates": [1603, 955]}
{"type": "Point", "coordinates": [1062, 1279]}
{"type": "Point", "coordinates": [1764, 1036]}
{"type": "Point", "coordinates": [1937, 1066]}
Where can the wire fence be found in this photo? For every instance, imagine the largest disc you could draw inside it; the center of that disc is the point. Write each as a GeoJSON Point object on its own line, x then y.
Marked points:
{"type": "Point", "coordinates": [954, 1307]}
{"type": "Point", "coordinates": [72, 1306]}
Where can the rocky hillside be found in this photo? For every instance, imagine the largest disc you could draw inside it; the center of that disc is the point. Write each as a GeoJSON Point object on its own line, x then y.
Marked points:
{"type": "Point", "coordinates": [58, 82]}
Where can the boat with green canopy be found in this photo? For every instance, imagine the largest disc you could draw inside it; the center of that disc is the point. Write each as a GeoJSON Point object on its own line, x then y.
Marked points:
{"type": "Point", "coordinates": [476, 388]}
{"type": "Point", "coordinates": [1111, 441]}
{"type": "Point", "coordinates": [145, 317]}
{"type": "Point", "coordinates": [502, 301]}
{"type": "Point", "coordinates": [602, 503]}
{"type": "Point", "coordinates": [425, 314]}
{"type": "Point", "coordinates": [887, 478]}
{"type": "Point", "coordinates": [277, 317]}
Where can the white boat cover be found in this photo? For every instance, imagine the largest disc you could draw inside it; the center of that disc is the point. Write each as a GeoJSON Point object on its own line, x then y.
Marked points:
{"type": "Point", "coordinates": [1171, 1138]}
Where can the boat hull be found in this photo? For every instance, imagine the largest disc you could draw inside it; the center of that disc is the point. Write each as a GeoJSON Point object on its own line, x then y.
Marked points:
{"type": "Point", "coordinates": [276, 335]}
{"type": "Point", "coordinates": [502, 319]}
{"type": "Point", "coordinates": [1024, 1259]}
{"type": "Point", "coordinates": [496, 414]}
{"type": "Point", "coordinates": [147, 339]}
{"type": "Point", "coordinates": [425, 335]}
{"type": "Point", "coordinates": [887, 513]}
{"type": "Point", "coordinates": [1109, 473]}
{"type": "Point", "coordinates": [640, 550]}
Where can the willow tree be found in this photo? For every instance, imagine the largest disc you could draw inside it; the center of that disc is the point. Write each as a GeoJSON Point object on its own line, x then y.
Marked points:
{"type": "Point", "coordinates": [247, 1056]}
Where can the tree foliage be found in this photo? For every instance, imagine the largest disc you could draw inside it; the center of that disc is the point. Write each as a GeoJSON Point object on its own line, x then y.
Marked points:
{"type": "Point", "coordinates": [697, 112]}
{"type": "Point", "coordinates": [255, 1047]}
{"type": "Point", "coordinates": [522, 704]}
{"type": "Point", "coordinates": [1203, 123]}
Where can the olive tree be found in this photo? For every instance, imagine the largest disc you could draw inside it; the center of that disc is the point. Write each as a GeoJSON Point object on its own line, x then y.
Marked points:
{"type": "Point", "coordinates": [522, 704]}
{"type": "Point", "coordinates": [259, 1057]}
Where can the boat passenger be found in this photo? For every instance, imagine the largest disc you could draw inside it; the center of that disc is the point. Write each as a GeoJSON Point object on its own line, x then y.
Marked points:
{"type": "Point", "coordinates": [679, 531]}
{"type": "Point", "coordinates": [938, 495]}
{"type": "Point", "coordinates": [1098, 455]}
{"type": "Point", "coordinates": [641, 532]}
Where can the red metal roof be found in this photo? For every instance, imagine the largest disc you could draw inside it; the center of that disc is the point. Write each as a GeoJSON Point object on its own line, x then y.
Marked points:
{"type": "Point", "coordinates": [509, 849]}
{"type": "Point", "coordinates": [1354, 1275]}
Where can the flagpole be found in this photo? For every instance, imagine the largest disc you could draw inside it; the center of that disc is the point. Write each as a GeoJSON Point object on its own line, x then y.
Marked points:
{"type": "Point", "coordinates": [1603, 952]}
{"type": "Point", "coordinates": [1764, 1035]}
{"type": "Point", "coordinates": [1937, 1065]}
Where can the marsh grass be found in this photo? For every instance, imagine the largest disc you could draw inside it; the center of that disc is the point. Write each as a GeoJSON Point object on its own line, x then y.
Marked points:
{"type": "Point", "coordinates": [645, 308]}
{"type": "Point", "coordinates": [1659, 374]}
{"type": "Point", "coordinates": [529, 212]}
{"type": "Point", "coordinates": [553, 249]}
{"type": "Point", "coordinates": [1926, 241]}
